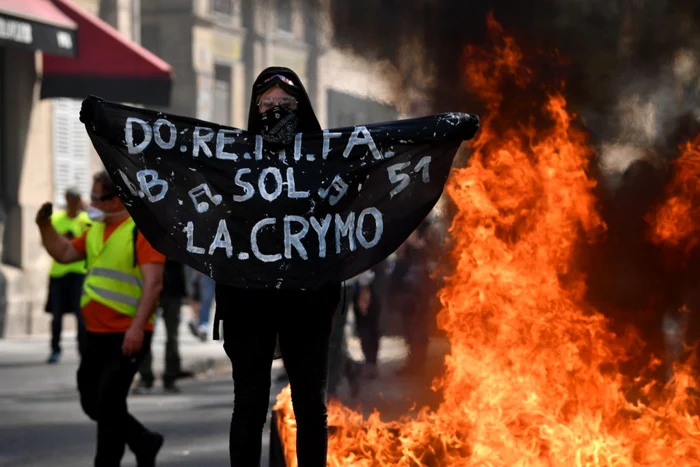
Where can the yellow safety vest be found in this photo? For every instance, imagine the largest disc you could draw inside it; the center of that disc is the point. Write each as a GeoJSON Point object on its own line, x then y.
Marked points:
{"type": "Point", "coordinates": [75, 226]}
{"type": "Point", "coordinates": [113, 277]}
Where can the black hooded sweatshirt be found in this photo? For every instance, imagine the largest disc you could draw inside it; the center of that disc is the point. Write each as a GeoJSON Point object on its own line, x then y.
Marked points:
{"type": "Point", "coordinates": [230, 299]}
{"type": "Point", "coordinates": [307, 118]}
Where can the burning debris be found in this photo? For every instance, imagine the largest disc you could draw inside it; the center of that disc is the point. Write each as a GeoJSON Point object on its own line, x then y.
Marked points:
{"type": "Point", "coordinates": [535, 374]}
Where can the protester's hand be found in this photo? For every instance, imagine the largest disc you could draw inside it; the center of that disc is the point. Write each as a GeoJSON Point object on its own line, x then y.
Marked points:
{"type": "Point", "coordinates": [87, 110]}
{"type": "Point", "coordinates": [133, 340]}
{"type": "Point", "coordinates": [43, 216]}
{"type": "Point", "coordinates": [363, 300]}
{"type": "Point", "coordinates": [92, 115]}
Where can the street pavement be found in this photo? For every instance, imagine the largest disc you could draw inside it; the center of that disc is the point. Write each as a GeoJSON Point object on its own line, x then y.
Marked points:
{"type": "Point", "coordinates": [51, 430]}
{"type": "Point", "coordinates": [42, 424]}
{"type": "Point", "coordinates": [23, 367]}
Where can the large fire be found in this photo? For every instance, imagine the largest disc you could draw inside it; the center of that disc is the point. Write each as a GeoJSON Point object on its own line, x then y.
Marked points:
{"type": "Point", "coordinates": [676, 223]}
{"type": "Point", "coordinates": [531, 378]}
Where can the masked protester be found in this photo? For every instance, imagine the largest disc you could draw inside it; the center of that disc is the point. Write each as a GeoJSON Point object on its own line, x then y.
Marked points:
{"type": "Point", "coordinates": [124, 277]}
{"type": "Point", "coordinates": [253, 319]}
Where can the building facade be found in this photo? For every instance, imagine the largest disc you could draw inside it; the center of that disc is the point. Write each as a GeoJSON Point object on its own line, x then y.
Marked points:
{"type": "Point", "coordinates": [44, 148]}
{"type": "Point", "coordinates": [218, 47]}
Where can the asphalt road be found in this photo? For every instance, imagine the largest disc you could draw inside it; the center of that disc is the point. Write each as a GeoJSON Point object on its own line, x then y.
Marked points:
{"type": "Point", "coordinates": [48, 428]}
{"type": "Point", "coordinates": [42, 424]}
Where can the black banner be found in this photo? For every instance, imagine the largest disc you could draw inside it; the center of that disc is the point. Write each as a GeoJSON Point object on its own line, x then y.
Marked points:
{"type": "Point", "coordinates": [328, 206]}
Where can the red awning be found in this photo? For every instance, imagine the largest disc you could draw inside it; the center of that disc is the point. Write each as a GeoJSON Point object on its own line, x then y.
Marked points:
{"type": "Point", "coordinates": [108, 65]}
{"type": "Point", "coordinates": [40, 11]}
{"type": "Point", "coordinates": [36, 25]}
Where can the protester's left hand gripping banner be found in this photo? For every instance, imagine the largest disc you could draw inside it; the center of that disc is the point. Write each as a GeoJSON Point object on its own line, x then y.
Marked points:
{"type": "Point", "coordinates": [328, 206]}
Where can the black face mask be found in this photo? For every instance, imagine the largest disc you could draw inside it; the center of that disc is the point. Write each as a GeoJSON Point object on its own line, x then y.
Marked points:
{"type": "Point", "coordinates": [279, 125]}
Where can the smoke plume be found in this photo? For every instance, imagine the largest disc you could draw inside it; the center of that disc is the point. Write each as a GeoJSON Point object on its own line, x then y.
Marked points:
{"type": "Point", "coordinates": [632, 74]}
{"type": "Point", "coordinates": [631, 68]}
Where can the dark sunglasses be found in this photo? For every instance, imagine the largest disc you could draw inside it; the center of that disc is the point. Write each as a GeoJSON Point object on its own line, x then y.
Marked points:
{"type": "Point", "coordinates": [95, 198]}
{"type": "Point", "coordinates": [282, 78]}
{"type": "Point", "coordinates": [267, 103]}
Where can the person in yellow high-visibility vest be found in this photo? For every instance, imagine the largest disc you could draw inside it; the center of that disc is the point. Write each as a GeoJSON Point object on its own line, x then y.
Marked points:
{"type": "Point", "coordinates": [120, 293]}
{"type": "Point", "coordinates": [66, 280]}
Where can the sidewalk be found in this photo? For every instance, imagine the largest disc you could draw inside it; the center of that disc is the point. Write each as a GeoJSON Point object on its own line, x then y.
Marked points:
{"type": "Point", "coordinates": [24, 371]}
{"type": "Point", "coordinates": [23, 367]}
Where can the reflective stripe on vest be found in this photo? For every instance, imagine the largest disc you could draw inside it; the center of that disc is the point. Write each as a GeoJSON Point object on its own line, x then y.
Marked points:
{"type": "Point", "coordinates": [115, 296]}
{"type": "Point", "coordinates": [117, 275]}
{"type": "Point", "coordinates": [112, 278]}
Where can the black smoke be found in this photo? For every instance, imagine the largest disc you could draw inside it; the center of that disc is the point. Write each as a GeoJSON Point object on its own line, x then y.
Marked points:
{"type": "Point", "coordinates": [616, 48]}
{"type": "Point", "coordinates": [632, 73]}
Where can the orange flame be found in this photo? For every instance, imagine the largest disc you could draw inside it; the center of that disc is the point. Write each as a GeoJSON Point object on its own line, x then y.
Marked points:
{"type": "Point", "coordinates": [525, 383]}
{"type": "Point", "coordinates": [676, 222]}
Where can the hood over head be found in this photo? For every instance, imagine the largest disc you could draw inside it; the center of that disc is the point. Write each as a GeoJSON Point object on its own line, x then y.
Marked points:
{"type": "Point", "coordinates": [267, 79]}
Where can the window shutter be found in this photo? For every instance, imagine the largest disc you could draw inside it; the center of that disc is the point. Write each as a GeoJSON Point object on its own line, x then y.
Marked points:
{"type": "Point", "coordinates": [222, 95]}
{"type": "Point", "coordinates": [71, 150]}
{"type": "Point", "coordinates": [284, 15]}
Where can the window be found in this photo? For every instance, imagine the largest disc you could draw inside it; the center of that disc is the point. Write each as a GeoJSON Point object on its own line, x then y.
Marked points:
{"type": "Point", "coordinates": [150, 38]}
{"type": "Point", "coordinates": [222, 94]}
{"type": "Point", "coordinates": [71, 151]}
{"type": "Point", "coordinates": [284, 15]}
{"type": "Point", "coordinates": [226, 7]}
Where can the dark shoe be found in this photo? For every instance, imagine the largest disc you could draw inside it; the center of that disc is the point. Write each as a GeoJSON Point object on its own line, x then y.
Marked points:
{"type": "Point", "coordinates": [184, 375]}
{"type": "Point", "coordinates": [194, 329]}
{"type": "Point", "coordinates": [149, 451]}
{"type": "Point", "coordinates": [54, 357]}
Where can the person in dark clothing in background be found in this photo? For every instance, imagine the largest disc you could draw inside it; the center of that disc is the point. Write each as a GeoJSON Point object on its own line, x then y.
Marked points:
{"type": "Point", "coordinates": [201, 292]}
{"type": "Point", "coordinates": [253, 318]}
{"type": "Point", "coordinates": [367, 308]}
{"type": "Point", "coordinates": [170, 304]}
{"type": "Point", "coordinates": [411, 287]}
{"type": "Point", "coordinates": [340, 362]}
{"type": "Point", "coordinates": [627, 276]}
{"type": "Point", "coordinates": [66, 280]}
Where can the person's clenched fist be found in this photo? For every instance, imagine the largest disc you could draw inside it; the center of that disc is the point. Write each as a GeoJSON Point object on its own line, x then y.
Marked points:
{"type": "Point", "coordinates": [43, 216]}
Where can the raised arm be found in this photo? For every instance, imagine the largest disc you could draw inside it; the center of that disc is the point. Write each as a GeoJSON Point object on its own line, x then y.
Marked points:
{"type": "Point", "coordinates": [58, 246]}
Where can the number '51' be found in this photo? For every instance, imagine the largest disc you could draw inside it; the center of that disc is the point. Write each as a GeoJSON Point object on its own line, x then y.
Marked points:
{"type": "Point", "coordinates": [396, 174]}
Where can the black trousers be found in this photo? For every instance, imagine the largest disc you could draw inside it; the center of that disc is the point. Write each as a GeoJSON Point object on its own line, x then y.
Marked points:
{"type": "Point", "coordinates": [415, 307]}
{"type": "Point", "coordinates": [340, 363]}
{"type": "Point", "coordinates": [367, 327]}
{"type": "Point", "coordinates": [170, 312]}
{"type": "Point", "coordinates": [64, 298]}
{"type": "Point", "coordinates": [104, 378]}
{"type": "Point", "coordinates": [251, 321]}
